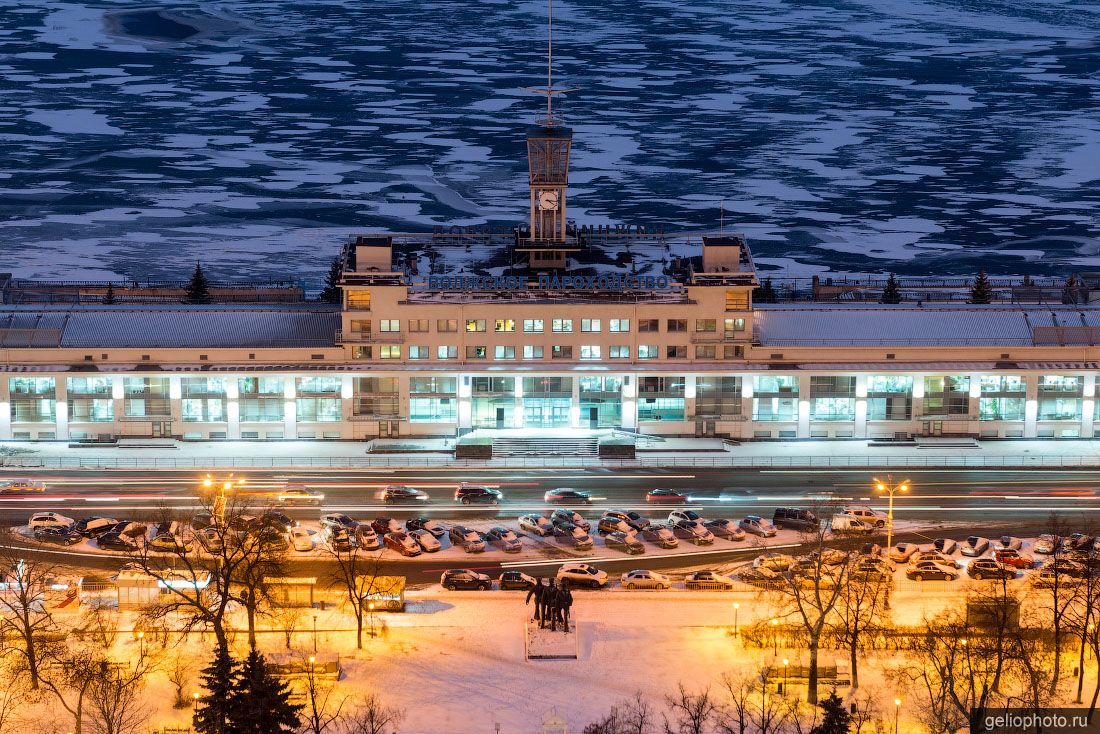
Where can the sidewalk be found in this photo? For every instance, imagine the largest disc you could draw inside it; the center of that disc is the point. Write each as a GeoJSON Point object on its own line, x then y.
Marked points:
{"type": "Point", "coordinates": [672, 452]}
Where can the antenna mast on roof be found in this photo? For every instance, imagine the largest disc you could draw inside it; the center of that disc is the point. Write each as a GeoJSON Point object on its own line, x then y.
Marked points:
{"type": "Point", "coordinates": [549, 91]}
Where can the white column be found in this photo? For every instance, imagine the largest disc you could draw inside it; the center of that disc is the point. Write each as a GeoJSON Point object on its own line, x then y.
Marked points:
{"type": "Point", "coordinates": [574, 402]}
{"type": "Point", "coordinates": [1031, 406]}
{"type": "Point", "coordinates": [175, 403]}
{"type": "Point", "coordinates": [5, 409]}
{"type": "Point", "coordinates": [290, 408]}
{"type": "Point", "coordinates": [232, 409]}
{"type": "Point", "coordinates": [517, 408]}
{"type": "Point", "coordinates": [803, 406]}
{"type": "Point", "coordinates": [630, 403]}
{"type": "Point", "coordinates": [860, 428]}
{"type": "Point", "coordinates": [918, 399]}
{"type": "Point", "coordinates": [61, 409]}
{"type": "Point", "coordinates": [118, 393]}
{"type": "Point", "coordinates": [1088, 404]}
{"type": "Point", "coordinates": [689, 397]}
{"type": "Point", "coordinates": [465, 409]}
{"type": "Point", "coordinates": [347, 392]}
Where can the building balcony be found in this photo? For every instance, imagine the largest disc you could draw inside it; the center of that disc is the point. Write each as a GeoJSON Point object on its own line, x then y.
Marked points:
{"type": "Point", "coordinates": [710, 337]}
{"type": "Point", "coordinates": [369, 337]}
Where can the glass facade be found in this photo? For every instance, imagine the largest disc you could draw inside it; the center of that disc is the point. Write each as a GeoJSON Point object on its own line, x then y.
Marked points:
{"type": "Point", "coordinates": [661, 399]}
{"type": "Point", "coordinates": [32, 399]}
{"type": "Point", "coordinates": [261, 399]}
{"type": "Point", "coordinates": [375, 397]}
{"type": "Point", "coordinates": [832, 398]}
{"type": "Point", "coordinates": [601, 402]}
{"type": "Point", "coordinates": [1060, 397]}
{"type": "Point", "coordinates": [203, 399]}
{"type": "Point", "coordinates": [90, 400]}
{"type": "Point", "coordinates": [717, 396]}
{"type": "Point", "coordinates": [1002, 398]}
{"type": "Point", "coordinates": [547, 401]}
{"type": "Point", "coordinates": [947, 395]}
{"type": "Point", "coordinates": [775, 398]}
{"type": "Point", "coordinates": [493, 402]}
{"type": "Point", "coordinates": [146, 397]}
{"type": "Point", "coordinates": [433, 400]}
{"type": "Point", "coordinates": [889, 397]}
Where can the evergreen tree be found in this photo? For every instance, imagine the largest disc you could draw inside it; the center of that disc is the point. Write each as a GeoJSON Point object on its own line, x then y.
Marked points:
{"type": "Point", "coordinates": [331, 293]}
{"type": "Point", "coordinates": [260, 703]}
{"type": "Point", "coordinates": [766, 292]}
{"type": "Point", "coordinates": [891, 293]}
{"type": "Point", "coordinates": [1069, 290]}
{"type": "Point", "coordinates": [836, 719]}
{"type": "Point", "coordinates": [109, 296]}
{"type": "Point", "coordinates": [198, 290]}
{"type": "Point", "coordinates": [212, 711]}
{"type": "Point", "coordinates": [982, 290]}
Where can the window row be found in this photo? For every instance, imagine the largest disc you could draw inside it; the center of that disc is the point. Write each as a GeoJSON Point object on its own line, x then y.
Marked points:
{"type": "Point", "coordinates": [558, 326]}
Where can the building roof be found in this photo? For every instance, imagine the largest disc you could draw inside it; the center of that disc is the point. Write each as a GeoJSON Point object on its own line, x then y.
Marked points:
{"type": "Point", "coordinates": [175, 326]}
{"type": "Point", "coordinates": [860, 325]}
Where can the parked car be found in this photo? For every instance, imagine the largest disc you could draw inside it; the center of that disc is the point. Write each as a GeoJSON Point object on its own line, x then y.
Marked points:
{"type": "Point", "coordinates": [761, 577]}
{"type": "Point", "coordinates": [275, 519]}
{"type": "Point", "coordinates": [57, 535]}
{"type": "Point", "coordinates": [902, 552]}
{"type": "Point", "coordinates": [297, 494]}
{"type": "Point", "coordinates": [1046, 544]}
{"type": "Point", "coordinates": [929, 571]}
{"type": "Point", "coordinates": [301, 540]}
{"type": "Point", "coordinates": [93, 527]}
{"type": "Point", "coordinates": [338, 538]}
{"type": "Point", "coordinates": [338, 520]}
{"type": "Point", "coordinates": [1048, 578]}
{"type": "Point", "coordinates": [399, 494]}
{"type": "Point", "coordinates": [866, 514]}
{"type": "Point", "coordinates": [505, 539]}
{"type": "Point", "coordinates": [630, 517]}
{"type": "Point", "coordinates": [625, 542]}
{"type": "Point", "coordinates": [425, 523]}
{"type": "Point", "coordinates": [403, 543]}
{"type": "Point", "coordinates": [211, 539]}
{"type": "Point", "coordinates": [693, 532]}
{"type": "Point", "coordinates": [849, 525]}
{"type": "Point", "coordinates": [725, 528]}
{"type": "Point", "coordinates": [564, 515]}
{"type": "Point", "coordinates": [129, 529]}
{"type": "Point", "coordinates": [1009, 542]}
{"type": "Point", "coordinates": [661, 535]}
{"type": "Point", "coordinates": [515, 580]}
{"type": "Point", "coordinates": [975, 545]}
{"type": "Point", "coordinates": [872, 569]}
{"type": "Point", "coordinates": [20, 486]}
{"type": "Point", "coordinates": [115, 542]}
{"type": "Point", "coordinates": [427, 542]}
{"type": "Point", "coordinates": [273, 541]}
{"type": "Point", "coordinates": [170, 543]}
{"type": "Point", "coordinates": [1077, 541]}
{"type": "Point", "coordinates": [49, 520]}
{"type": "Point", "coordinates": [708, 580]}
{"type": "Point", "coordinates": [581, 574]}
{"type": "Point", "coordinates": [778, 562]}
{"type": "Point", "coordinates": [366, 538]}
{"type": "Point", "coordinates": [537, 524]}
{"type": "Point", "coordinates": [642, 579]}
{"type": "Point", "coordinates": [1013, 558]}
{"type": "Point", "coordinates": [1066, 567]}
{"type": "Point", "coordinates": [466, 539]}
{"type": "Point", "coordinates": [383, 525]}
{"type": "Point", "coordinates": [465, 578]}
{"type": "Point", "coordinates": [756, 525]}
{"type": "Point", "coordinates": [793, 517]}
{"type": "Point", "coordinates": [688, 515]}
{"type": "Point", "coordinates": [477, 494]}
{"type": "Point", "coordinates": [829, 556]}
{"type": "Point", "coordinates": [573, 536]}
{"type": "Point", "coordinates": [608, 524]}
{"type": "Point", "coordinates": [936, 557]}
{"type": "Point", "coordinates": [567, 495]}
{"type": "Point", "coordinates": [202, 520]}
{"type": "Point", "coordinates": [663, 494]}
{"type": "Point", "coordinates": [988, 568]}
{"type": "Point", "coordinates": [871, 549]}
{"type": "Point", "coordinates": [947, 546]}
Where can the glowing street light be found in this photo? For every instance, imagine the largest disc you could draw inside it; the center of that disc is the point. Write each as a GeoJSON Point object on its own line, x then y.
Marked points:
{"type": "Point", "coordinates": [897, 709]}
{"type": "Point", "coordinates": [736, 626]}
{"type": "Point", "coordinates": [775, 637]}
{"type": "Point", "coordinates": [225, 486]}
{"type": "Point", "coordinates": [786, 663]}
{"type": "Point", "coordinates": [890, 490]}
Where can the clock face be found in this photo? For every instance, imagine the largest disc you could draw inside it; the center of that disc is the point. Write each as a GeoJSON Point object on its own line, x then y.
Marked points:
{"type": "Point", "coordinates": [548, 200]}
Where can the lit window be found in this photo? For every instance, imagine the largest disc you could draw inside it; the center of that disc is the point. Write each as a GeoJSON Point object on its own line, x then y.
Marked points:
{"type": "Point", "coordinates": [647, 351]}
{"type": "Point", "coordinates": [706, 325]}
{"type": "Point", "coordinates": [446, 352]}
{"type": "Point", "coordinates": [389, 351]}
{"type": "Point", "coordinates": [359, 300]}
{"type": "Point", "coordinates": [532, 352]}
{"type": "Point", "coordinates": [416, 352]}
{"type": "Point", "coordinates": [590, 325]}
{"type": "Point", "coordinates": [389, 325]}
{"type": "Point", "coordinates": [475, 325]}
{"type": "Point", "coordinates": [504, 325]}
{"type": "Point", "coordinates": [446, 325]}
{"type": "Point", "coordinates": [590, 351]}
{"type": "Point", "coordinates": [563, 326]}
{"type": "Point", "coordinates": [532, 326]}
{"type": "Point", "coordinates": [476, 352]}
{"type": "Point", "coordinates": [737, 300]}
{"type": "Point", "coordinates": [502, 351]}
{"type": "Point", "coordinates": [618, 326]}
{"type": "Point", "coordinates": [620, 352]}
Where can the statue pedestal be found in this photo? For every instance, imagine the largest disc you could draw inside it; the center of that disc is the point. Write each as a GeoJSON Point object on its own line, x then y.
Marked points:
{"type": "Point", "coordinates": [542, 644]}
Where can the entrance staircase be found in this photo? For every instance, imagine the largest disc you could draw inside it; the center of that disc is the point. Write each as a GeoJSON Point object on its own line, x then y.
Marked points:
{"type": "Point", "coordinates": [545, 446]}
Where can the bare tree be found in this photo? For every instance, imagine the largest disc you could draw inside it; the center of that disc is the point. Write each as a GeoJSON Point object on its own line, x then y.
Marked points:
{"type": "Point", "coordinates": [179, 671]}
{"type": "Point", "coordinates": [288, 619]}
{"type": "Point", "coordinates": [1059, 595]}
{"type": "Point", "coordinates": [13, 697]}
{"type": "Point", "coordinates": [691, 713]}
{"type": "Point", "coordinates": [861, 609]}
{"type": "Point", "coordinates": [372, 716]}
{"type": "Point", "coordinates": [24, 612]}
{"type": "Point", "coordinates": [69, 673]}
{"type": "Point", "coordinates": [866, 711]}
{"type": "Point", "coordinates": [629, 716]}
{"type": "Point", "coordinates": [734, 712]}
{"type": "Point", "coordinates": [116, 701]}
{"type": "Point", "coordinates": [357, 574]}
{"type": "Point", "coordinates": [771, 716]}
{"type": "Point", "coordinates": [324, 706]}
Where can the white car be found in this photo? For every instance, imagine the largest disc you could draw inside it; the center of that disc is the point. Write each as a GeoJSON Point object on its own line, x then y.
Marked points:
{"type": "Point", "coordinates": [779, 562]}
{"type": "Point", "coordinates": [301, 539]}
{"type": "Point", "coordinates": [582, 574]}
{"type": "Point", "coordinates": [537, 524]}
{"type": "Point", "coordinates": [850, 524]}
{"type": "Point", "coordinates": [299, 494]}
{"type": "Point", "coordinates": [645, 580]}
{"type": "Point", "coordinates": [975, 546]}
{"type": "Point", "coordinates": [49, 520]}
{"type": "Point", "coordinates": [866, 514]}
{"type": "Point", "coordinates": [757, 525]}
{"type": "Point", "coordinates": [902, 552]}
{"type": "Point", "coordinates": [427, 542]}
{"type": "Point", "coordinates": [21, 485]}
{"type": "Point", "coordinates": [686, 515]}
{"type": "Point", "coordinates": [1046, 544]}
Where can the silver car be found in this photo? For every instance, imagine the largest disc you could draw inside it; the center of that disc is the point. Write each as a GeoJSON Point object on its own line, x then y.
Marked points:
{"type": "Point", "coordinates": [756, 525]}
{"type": "Point", "coordinates": [536, 524]}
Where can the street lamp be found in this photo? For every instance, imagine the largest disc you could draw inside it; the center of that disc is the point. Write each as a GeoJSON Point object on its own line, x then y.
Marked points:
{"type": "Point", "coordinates": [224, 487]}
{"type": "Point", "coordinates": [897, 709]}
{"type": "Point", "coordinates": [786, 662]}
{"type": "Point", "coordinates": [314, 633]}
{"type": "Point", "coordinates": [775, 637]}
{"type": "Point", "coordinates": [141, 642]}
{"type": "Point", "coordinates": [736, 626]}
{"type": "Point", "coordinates": [370, 609]}
{"type": "Point", "coordinates": [890, 489]}
{"type": "Point", "coordinates": [195, 699]}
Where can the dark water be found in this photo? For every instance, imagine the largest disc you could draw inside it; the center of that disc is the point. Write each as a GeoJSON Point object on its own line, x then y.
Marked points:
{"type": "Point", "coordinates": [923, 137]}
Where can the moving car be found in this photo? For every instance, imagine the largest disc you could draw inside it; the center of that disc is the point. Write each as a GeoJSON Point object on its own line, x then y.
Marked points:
{"type": "Point", "coordinates": [466, 539]}
{"type": "Point", "coordinates": [665, 495]}
{"type": "Point", "coordinates": [947, 546]}
{"type": "Point", "coordinates": [567, 495]}
{"type": "Point", "coordinates": [642, 579]}
{"type": "Point", "coordinates": [692, 532]}
{"type": "Point", "coordinates": [424, 523]}
{"type": "Point", "coordinates": [987, 568]}
{"type": "Point", "coordinates": [793, 517]}
{"type": "Point", "coordinates": [338, 520]}
{"type": "Point", "coordinates": [631, 518]}
{"type": "Point", "coordinates": [778, 562]}
{"type": "Point", "coordinates": [573, 536]}
{"type": "Point", "coordinates": [298, 494]}
{"type": "Point", "coordinates": [625, 542]}
{"type": "Point", "coordinates": [660, 535]}
{"type": "Point", "coordinates": [929, 571]}
{"type": "Point", "coordinates": [18, 486]}
{"type": "Point", "coordinates": [57, 535]}
{"type": "Point", "coordinates": [537, 524]}
{"type": "Point", "coordinates": [725, 528]}
{"type": "Point", "coordinates": [902, 552]}
{"type": "Point", "coordinates": [1046, 544]}
{"type": "Point", "coordinates": [581, 574]}
{"type": "Point", "coordinates": [301, 540]}
{"type": "Point", "coordinates": [756, 525]}
{"type": "Point", "coordinates": [477, 494]}
{"type": "Point", "coordinates": [465, 578]}
{"type": "Point", "coordinates": [49, 520]}
{"type": "Point", "coordinates": [513, 580]}
{"type": "Point", "coordinates": [504, 539]}
{"type": "Point", "coordinates": [383, 525]}
{"type": "Point", "coordinates": [403, 543]}
{"type": "Point", "coordinates": [975, 545]}
{"type": "Point", "coordinates": [561, 515]}
{"type": "Point", "coordinates": [708, 580]}
{"type": "Point", "coordinates": [427, 542]}
{"type": "Point", "coordinates": [866, 514]}
{"type": "Point", "coordinates": [397, 494]}
{"type": "Point", "coordinates": [1013, 558]}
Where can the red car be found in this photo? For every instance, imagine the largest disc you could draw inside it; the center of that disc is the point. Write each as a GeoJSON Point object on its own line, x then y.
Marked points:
{"type": "Point", "coordinates": [1013, 558]}
{"type": "Point", "coordinates": [665, 495]}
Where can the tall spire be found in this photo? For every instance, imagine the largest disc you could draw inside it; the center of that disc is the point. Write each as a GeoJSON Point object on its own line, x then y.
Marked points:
{"type": "Point", "coordinates": [550, 91]}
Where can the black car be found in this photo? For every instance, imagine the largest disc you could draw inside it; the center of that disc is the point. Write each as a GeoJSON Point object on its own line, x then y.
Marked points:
{"type": "Point", "coordinates": [115, 542]}
{"type": "Point", "coordinates": [383, 525]}
{"type": "Point", "coordinates": [398, 495]}
{"type": "Point", "coordinates": [426, 523]}
{"type": "Point", "coordinates": [796, 518]}
{"type": "Point", "coordinates": [202, 520]}
{"type": "Point", "coordinates": [567, 496]}
{"type": "Point", "coordinates": [504, 539]}
{"type": "Point", "coordinates": [57, 536]}
{"type": "Point", "coordinates": [276, 520]}
{"type": "Point", "coordinates": [563, 514]}
{"type": "Point", "coordinates": [475, 494]}
{"type": "Point", "coordinates": [464, 578]}
{"type": "Point", "coordinates": [515, 580]}
{"type": "Point", "coordinates": [623, 542]}
{"type": "Point", "coordinates": [93, 527]}
{"type": "Point", "coordinates": [987, 568]}
{"type": "Point", "coordinates": [128, 529]}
